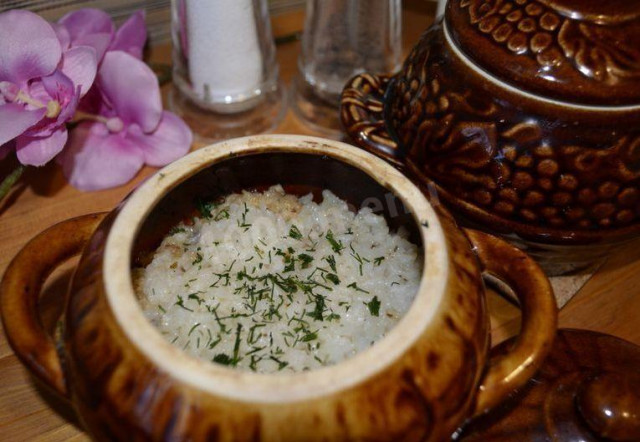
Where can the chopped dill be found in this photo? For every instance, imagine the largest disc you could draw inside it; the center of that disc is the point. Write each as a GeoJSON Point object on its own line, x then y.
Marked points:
{"type": "Point", "coordinates": [223, 359]}
{"type": "Point", "coordinates": [205, 208]}
{"type": "Point", "coordinates": [196, 325]}
{"type": "Point", "coordinates": [354, 286]}
{"type": "Point", "coordinates": [374, 306]}
{"type": "Point", "coordinates": [305, 260]}
{"type": "Point", "coordinates": [333, 278]}
{"type": "Point", "coordinates": [331, 261]}
{"type": "Point", "coordinates": [294, 232]}
{"type": "Point", "coordinates": [180, 303]}
{"type": "Point", "coordinates": [335, 245]}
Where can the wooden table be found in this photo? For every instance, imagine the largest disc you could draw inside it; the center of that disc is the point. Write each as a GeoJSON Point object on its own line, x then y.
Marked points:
{"type": "Point", "coordinates": [609, 302]}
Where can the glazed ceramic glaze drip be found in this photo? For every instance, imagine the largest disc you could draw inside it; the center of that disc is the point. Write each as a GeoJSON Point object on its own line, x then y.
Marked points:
{"type": "Point", "coordinates": [224, 52]}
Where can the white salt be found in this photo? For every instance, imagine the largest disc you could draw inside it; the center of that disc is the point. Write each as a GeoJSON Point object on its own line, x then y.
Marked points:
{"type": "Point", "coordinates": [225, 61]}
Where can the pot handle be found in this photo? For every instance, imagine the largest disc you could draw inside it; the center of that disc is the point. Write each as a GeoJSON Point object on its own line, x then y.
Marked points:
{"type": "Point", "coordinates": [362, 115]}
{"type": "Point", "coordinates": [512, 370]}
{"type": "Point", "coordinates": [20, 290]}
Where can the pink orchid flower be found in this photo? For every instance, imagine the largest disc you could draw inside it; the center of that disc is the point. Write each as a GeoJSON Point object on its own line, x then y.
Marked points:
{"type": "Point", "coordinates": [130, 130]}
{"type": "Point", "coordinates": [94, 28]}
{"type": "Point", "coordinates": [39, 86]}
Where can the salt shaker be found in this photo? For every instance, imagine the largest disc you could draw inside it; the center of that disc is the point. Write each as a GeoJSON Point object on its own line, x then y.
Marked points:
{"type": "Point", "coordinates": [341, 39]}
{"type": "Point", "coordinates": [225, 75]}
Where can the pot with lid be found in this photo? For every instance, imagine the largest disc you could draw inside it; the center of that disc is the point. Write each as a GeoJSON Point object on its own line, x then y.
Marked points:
{"type": "Point", "coordinates": [524, 115]}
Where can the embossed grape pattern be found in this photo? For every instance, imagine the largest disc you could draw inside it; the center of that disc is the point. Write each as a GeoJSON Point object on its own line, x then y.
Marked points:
{"type": "Point", "coordinates": [486, 155]}
{"type": "Point", "coordinates": [531, 28]}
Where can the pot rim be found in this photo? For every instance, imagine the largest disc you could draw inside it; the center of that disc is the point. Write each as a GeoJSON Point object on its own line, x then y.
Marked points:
{"type": "Point", "coordinates": [281, 387]}
{"type": "Point", "coordinates": [526, 94]}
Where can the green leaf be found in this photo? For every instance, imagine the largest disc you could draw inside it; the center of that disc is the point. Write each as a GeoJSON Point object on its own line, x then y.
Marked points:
{"type": "Point", "coordinates": [335, 245]}
{"type": "Point", "coordinates": [223, 359]}
{"type": "Point", "coordinates": [294, 232]}
{"type": "Point", "coordinates": [374, 306]}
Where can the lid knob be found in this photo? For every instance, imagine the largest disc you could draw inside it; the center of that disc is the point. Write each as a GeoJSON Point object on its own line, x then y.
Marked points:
{"type": "Point", "coordinates": [610, 404]}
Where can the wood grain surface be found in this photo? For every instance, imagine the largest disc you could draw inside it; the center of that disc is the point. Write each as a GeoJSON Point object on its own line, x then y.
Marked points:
{"type": "Point", "coordinates": [609, 302]}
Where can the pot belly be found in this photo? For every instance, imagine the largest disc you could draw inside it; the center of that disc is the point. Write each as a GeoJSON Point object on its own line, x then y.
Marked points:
{"type": "Point", "coordinates": [511, 163]}
{"type": "Point", "coordinates": [425, 395]}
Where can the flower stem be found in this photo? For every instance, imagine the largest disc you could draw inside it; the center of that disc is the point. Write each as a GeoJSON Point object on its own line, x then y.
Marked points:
{"type": "Point", "coordinates": [79, 116]}
{"type": "Point", "coordinates": [10, 180]}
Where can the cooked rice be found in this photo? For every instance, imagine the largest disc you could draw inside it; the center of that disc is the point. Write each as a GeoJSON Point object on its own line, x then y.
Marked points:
{"type": "Point", "coordinates": [268, 282]}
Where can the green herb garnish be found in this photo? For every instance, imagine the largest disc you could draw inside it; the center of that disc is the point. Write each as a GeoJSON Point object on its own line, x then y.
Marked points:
{"type": "Point", "coordinates": [333, 316]}
{"type": "Point", "coordinates": [223, 359]}
{"type": "Point", "coordinates": [294, 232]}
{"type": "Point", "coordinates": [195, 297]}
{"type": "Point", "coordinates": [180, 303]}
{"type": "Point", "coordinates": [374, 306]}
{"type": "Point", "coordinates": [197, 324]}
{"type": "Point", "coordinates": [331, 261]}
{"type": "Point", "coordinates": [223, 214]}
{"type": "Point", "coordinates": [358, 258]}
{"type": "Point", "coordinates": [205, 208]}
{"type": "Point", "coordinates": [305, 260]}
{"type": "Point", "coordinates": [333, 278]}
{"type": "Point", "coordinates": [318, 311]}
{"type": "Point", "coordinates": [354, 286]}
{"type": "Point", "coordinates": [335, 245]}
{"type": "Point", "coordinates": [309, 337]}
{"type": "Point", "coordinates": [281, 364]}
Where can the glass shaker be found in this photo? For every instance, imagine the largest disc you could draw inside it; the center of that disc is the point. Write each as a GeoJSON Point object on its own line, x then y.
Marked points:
{"type": "Point", "coordinates": [225, 75]}
{"type": "Point", "coordinates": [342, 38]}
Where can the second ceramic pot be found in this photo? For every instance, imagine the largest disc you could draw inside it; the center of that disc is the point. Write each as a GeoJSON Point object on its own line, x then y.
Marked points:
{"type": "Point", "coordinates": [522, 117]}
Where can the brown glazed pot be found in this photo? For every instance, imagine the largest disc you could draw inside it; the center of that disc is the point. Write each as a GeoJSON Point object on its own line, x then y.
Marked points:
{"type": "Point", "coordinates": [428, 376]}
{"type": "Point", "coordinates": [524, 115]}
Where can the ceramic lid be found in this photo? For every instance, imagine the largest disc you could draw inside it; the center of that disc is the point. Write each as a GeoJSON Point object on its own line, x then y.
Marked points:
{"type": "Point", "coordinates": [580, 51]}
{"type": "Point", "coordinates": [588, 390]}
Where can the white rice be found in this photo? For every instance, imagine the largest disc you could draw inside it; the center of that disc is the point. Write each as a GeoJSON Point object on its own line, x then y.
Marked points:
{"type": "Point", "coordinates": [254, 285]}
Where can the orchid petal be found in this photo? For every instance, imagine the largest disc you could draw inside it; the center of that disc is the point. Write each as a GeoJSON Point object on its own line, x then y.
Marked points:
{"type": "Point", "coordinates": [132, 88]}
{"type": "Point", "coordinates": [55, 87]}
{"type": "Point", "coordinates": [63, 35]}
{"type": "Point", "coordinates": [80, 65]}
{"type": "Point", "coordinates": [89, 27]}
{"type": "Point", "coordinates": [131, 36]}
{"type": "Point", "coordinates": [170, 141]}
{"type": "Point", "coordinates": [59, 87]}
{"type": "Point", "coordinates": [15, 119]}
{"type": "Point", "coordinates": [38, 151]}
{"type": "Point", "coordinates": [97, 159]}
{"type": "Point", "coordinates": [94, 102]}
{"type": "Point", "coordinates": [29, 47]}
{"type": "Point", "coordinates": [99, 42]}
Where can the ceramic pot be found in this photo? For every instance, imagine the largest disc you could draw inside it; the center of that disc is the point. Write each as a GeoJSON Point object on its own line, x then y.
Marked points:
{"type": "Point", "coordinates": [423, 380]}
{"type": "Point", "coordinates": [524, 115]}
